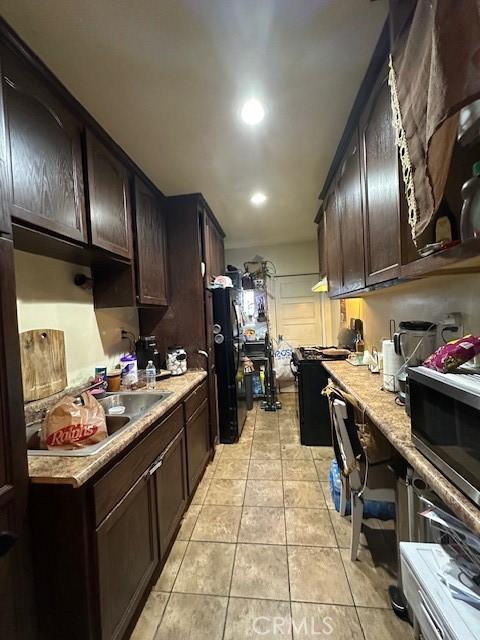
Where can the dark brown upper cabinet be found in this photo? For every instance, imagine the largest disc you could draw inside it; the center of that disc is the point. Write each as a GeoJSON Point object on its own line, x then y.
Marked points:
{"type": "Point", "coordinates": [349, 212]}
{"type": "Point", "coordinates": [213, 252]}
{"type": "Point", "coordinates": [151, 246]}
{"type": "Point", "coordinates": [45, 179]}
{"type": "Point", "coordinates": [380, 172]}
{"type": "Point", "coordinates": [109, 198]}
{"type": "Point", "coordinates": [334, 244]}
{"type": "Point", "coordinates": [5, 224]}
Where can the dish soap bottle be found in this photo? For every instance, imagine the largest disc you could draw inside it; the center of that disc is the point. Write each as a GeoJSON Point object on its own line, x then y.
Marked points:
{"type": "Point", "coordinates": [150, 374]}
{"type": "Point", "coordinates": [470, 219]}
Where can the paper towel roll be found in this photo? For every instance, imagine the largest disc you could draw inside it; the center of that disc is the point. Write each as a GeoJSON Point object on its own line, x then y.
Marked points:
{"type": "Point", "coordinates": [392, 362]}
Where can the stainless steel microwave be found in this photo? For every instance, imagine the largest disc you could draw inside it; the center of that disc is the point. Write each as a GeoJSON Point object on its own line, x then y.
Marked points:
{"type": "Point", "coordinates": [445, 413]}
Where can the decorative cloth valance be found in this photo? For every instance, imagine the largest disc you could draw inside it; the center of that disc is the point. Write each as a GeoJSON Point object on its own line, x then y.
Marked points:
{"type": "Point", "coordinates": [434, 72]}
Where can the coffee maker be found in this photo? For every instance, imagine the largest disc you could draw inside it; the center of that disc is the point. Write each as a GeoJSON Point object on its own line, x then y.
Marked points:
{"type": "Point", "coordinates": [414, 342]}
{"type": "Point", "coordinates": [146, 349]}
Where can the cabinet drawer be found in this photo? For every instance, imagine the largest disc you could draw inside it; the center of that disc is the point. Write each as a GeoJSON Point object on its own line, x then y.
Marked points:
{"type": "Point", "coordinates": [195, 399]}
{"type": "Point", "coordinates": [115, 484]}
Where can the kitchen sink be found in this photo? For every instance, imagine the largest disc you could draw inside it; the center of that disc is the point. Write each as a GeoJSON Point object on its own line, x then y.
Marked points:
{"type": "Point", "coordinates": [122, 411]}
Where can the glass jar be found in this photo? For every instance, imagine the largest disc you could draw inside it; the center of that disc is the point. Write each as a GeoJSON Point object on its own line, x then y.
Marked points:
{"type": "Point", "coordinates": [176, 360]}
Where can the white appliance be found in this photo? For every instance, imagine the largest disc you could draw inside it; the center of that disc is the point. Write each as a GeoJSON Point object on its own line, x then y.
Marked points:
{"type": "Point", "coordinates": [427, 572]}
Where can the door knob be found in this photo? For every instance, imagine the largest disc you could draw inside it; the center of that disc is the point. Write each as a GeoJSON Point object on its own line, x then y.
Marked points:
{"type": "Point", "coordinates": [7, 540]}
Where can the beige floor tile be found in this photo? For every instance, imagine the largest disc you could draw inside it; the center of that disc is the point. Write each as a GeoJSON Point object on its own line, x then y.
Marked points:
{"type": "Point", "coordinates": [266, 437]}
{"type": "Point", "coordinates": [342, 525]}
{"type": "Point", "coordinates": [317, 575]}
{"type": "Point", "coordinates": [265, 470]}
{"type": "Point", "coordinates": [299, 470]}
{"type": "Point", "coordinates": [209, 471]}
{"type": "Point", "coordinates": [150, 617]}
{"type": "Point", "coordinates": [226, 492]}
{"type": "Point", "coordinates": [239, 451]}
{"type": "Point", "coordinates": [262, 525]}
{"type": "Point", "coordinates": [249, 619]}
{"type": "Point", "coordinates": [325, 621]}
{"type": "Point", "coordinates": [368, 582]}
{"type": "Point", "coordinates": [289, 437]}
{"type": "Point", "coordinates": [260, 571]}
{"type": "Point", "coordinates": [266, 421]}
{"type": "Point", "coordinates": [295, 452]}
{"type": "Point", "coordinates": [217, 524]}
{"type": "Point", "coordinates": [301, 493]}
{"type": "Point", "coordinates": [309, 527]}
{"type": "Point", "coordinates": [171, 567]}
{"type": "Point", "coordinates": [327, 495]}
{"type": "Point", "coordinates": [265, 451]}
{"type": "Point", "coordinates": [230, 469]}
{"type": "Point", "coordinates": [193, 617]}
{"type": "Point", "coordinates": [201, 491]}
{"type": "Point", "coordinates": [322, 453]}
{"type": "Point", "coordinates": [323, 469]}
{"type": "Point", "coordinates": [380, 624]}
{"type": "Point", "coordinates": [206, 568]}
{"type": "Point", "coordinates": [264, 493]}
{"type": "Point", "coordinates": [188, 522]}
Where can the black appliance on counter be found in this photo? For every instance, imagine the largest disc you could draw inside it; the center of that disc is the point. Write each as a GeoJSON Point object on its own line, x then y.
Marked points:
{"type": "Point", "coordinates": [146, 349]}
{"type": "Point", "coordinates": [445, 412]}
{"type": "Point", "coordinates": [232, 407]}
{"type": "Point", "coordinates": [313, 411]}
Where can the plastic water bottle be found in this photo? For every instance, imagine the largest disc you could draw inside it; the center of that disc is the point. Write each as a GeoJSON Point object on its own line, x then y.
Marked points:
{"type": "Point", "coordinates": [151, 374]}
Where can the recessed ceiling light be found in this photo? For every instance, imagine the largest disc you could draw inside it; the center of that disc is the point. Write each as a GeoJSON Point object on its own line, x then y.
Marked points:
{"type": "Point", "coordinates": [258, 199]}
{"type": "Point", "coordinates": [252, 112]}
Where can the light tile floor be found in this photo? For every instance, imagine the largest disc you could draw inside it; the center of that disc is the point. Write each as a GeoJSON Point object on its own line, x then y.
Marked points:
{"type": "Point", "coordinates": [262, 553]}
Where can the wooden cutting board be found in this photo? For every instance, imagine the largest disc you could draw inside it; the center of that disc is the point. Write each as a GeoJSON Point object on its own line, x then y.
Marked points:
{"type": "Point", "coordinates": [44, 371]}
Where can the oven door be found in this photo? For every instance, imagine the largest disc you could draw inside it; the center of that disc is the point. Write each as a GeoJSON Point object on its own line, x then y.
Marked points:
{"type": "Point", "coordinates": [445, 428]}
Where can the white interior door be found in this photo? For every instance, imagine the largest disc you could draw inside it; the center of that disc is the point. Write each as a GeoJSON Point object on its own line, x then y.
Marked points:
{"type": "Point", "coordinates": [298, 312]}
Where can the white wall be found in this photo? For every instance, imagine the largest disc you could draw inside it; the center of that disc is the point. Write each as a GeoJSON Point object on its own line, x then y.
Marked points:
{"type": "Point", "coordinates": [290, 259]}
{"type": "Point", "coordinates": [427, 299]}
{"type": "Point", "coordinates": [48, 299]}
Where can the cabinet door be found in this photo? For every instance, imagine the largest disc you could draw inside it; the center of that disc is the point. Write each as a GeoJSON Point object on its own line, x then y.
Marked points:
{"type": "Point", "coordinates": [333, 245]}
{"type": "Point", "coordinates": [127, 556]}
{"type": "Point", "coordinates": [172, 490]}
{"type": "Point", "coordinates": [198, 444]}
{"type": "Point", "coordinates": [322, 247]}
{"type": "Point", "coordinates": [381, 188]}
{"type": "Point", "coordinates": [109, 195]}
{"type": "Point", "coordinates": [151, 254]}
{"type": "Point", "coordinates": [44, 140]}
{"type": "Point", "coordinates": [349, 203]}
{"type": "Point", "coordinates": [5, 225]}
{"type": "Point", "coordinates": [14, 613]}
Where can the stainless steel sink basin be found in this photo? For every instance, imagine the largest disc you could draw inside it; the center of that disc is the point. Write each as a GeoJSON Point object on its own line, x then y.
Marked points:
{"type": "Point", "coordinates": [134, 404]}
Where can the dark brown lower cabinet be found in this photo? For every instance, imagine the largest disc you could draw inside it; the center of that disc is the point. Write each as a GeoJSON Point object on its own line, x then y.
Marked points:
{"type": "Point", "coordinates": [172, 491]}
{"type": "Point", "coordinates": [127, 551]}
{"type": "Point", "coordinates": [100, 547]}
{"type": "Point", "coordinates": [198, 444]}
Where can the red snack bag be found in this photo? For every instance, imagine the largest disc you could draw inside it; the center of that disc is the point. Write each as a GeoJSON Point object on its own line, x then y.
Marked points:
{"type": "Point", "coordinates": [69, 425]}
{"type": "Point", "coordinates": [453, 354]}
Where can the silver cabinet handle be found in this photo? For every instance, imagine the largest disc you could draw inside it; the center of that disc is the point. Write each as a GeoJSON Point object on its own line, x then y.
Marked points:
{"type": "Point", "coordinates": [203, 353]}
{"type": "Point", "coordinates": [155, 467]}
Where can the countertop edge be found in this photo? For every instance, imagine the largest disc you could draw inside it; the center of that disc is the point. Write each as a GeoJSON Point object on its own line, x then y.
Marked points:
{"type": "Point", "coordinates": [88, 466]}
{"type": "Point", "coordinates": [453, 498]}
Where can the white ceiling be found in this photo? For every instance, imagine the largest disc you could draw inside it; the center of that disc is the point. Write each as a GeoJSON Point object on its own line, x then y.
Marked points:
{"type": "Point", "coordinates": [166, 79]}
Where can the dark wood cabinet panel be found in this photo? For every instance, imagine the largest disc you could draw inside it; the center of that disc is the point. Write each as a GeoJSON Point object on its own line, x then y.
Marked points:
{"type": "Point", "coordinates": [127, 556]}
{"type": "Point", "coordinates": [322, 246]}
{"type": "Point", "coordinates": [349, 211]}
{"type": "Point", "coordinates": [334, 244]}
{"type": "Point", "coordinates": [151, 253]}
{"type": "Point", "coordinates": [213, 248]}
{"type": "Point", "coordinates": [109, 199]}
{"type": "Point", "coordinates": [45, 158]}
{"type": "Point", "coordinates": [198, 444]}
{"type": "Point", "coordinates": [5, 223]}
{"type": "Point", "coordinates": [172, 491]}
{"type": "Point", "coordinates": [381, 187]}
{"type": "Point", "coordinates": [15, 616]}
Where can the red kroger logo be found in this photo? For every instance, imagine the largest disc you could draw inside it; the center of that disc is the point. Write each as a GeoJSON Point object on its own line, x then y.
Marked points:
{"type": "Point", "coordinates": [71, 433]}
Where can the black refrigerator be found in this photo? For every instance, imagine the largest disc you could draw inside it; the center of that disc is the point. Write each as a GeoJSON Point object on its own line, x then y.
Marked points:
{"type": "Point", "coordinates": [232, 408]}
